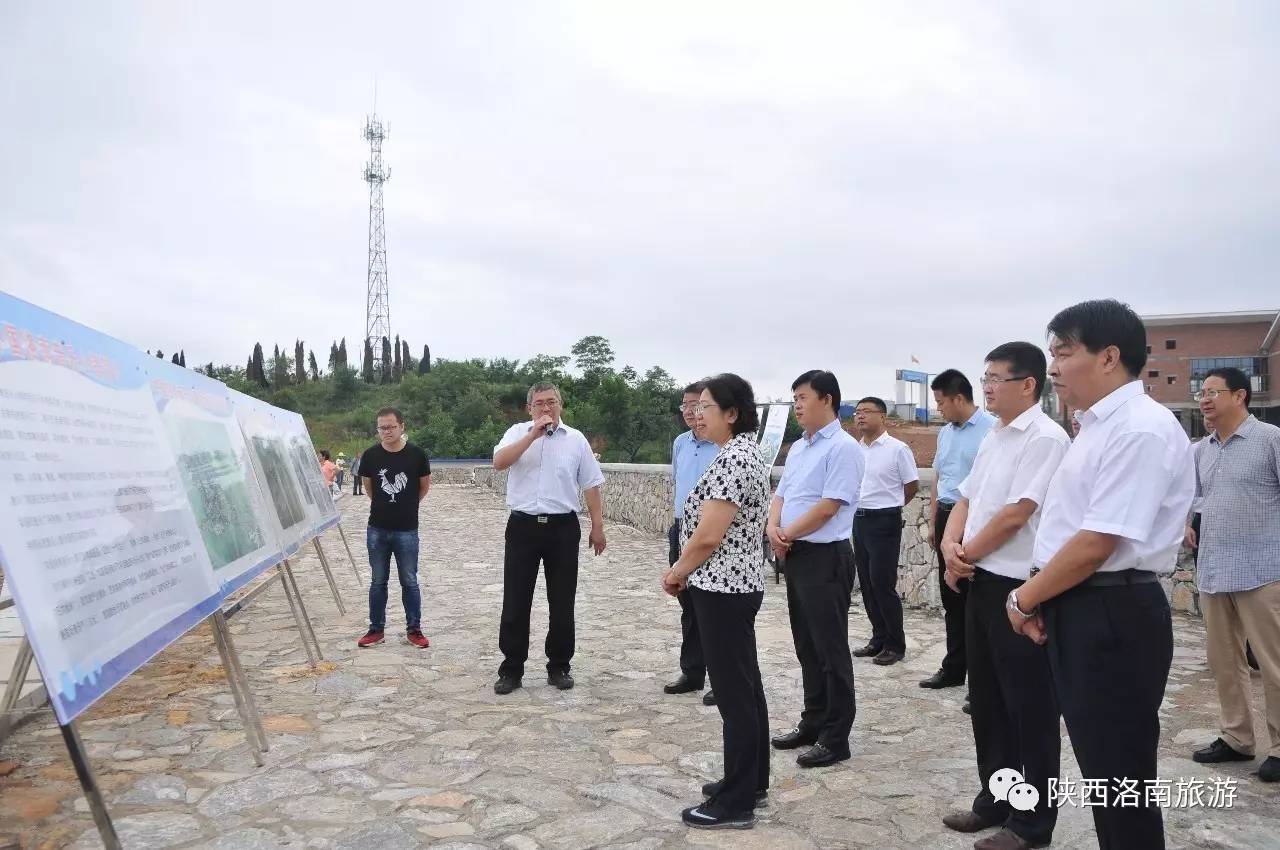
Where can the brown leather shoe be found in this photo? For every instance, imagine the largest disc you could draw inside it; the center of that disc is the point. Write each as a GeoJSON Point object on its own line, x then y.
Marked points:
{"type": "Point", "coordinates": [967, 821]}
{"type": "Point", "coordinates": [1005, 839]}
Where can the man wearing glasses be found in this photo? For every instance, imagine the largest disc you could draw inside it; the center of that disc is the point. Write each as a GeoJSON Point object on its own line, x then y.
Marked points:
{"type": "Point", "coordinates": [690, 456]}
{"type": "Point", "coordinates": [549, 462]}
{"type": "Point", "coordinates": [1238, 568]}
{"type": "Point", "coordinates": [397, 476]}
{"type": "Point", "coordinates": [987, 545]}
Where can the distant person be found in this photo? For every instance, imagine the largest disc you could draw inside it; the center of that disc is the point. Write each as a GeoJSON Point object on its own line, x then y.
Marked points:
{"type": "Point", "coordinates": [810, 522]}
{"type": "Point", "coordinates": [550, 463]}
{"type": "Point", "coordinates": [958, 441]}
{"type": "Point", "coordinates": [1238, 564]}
{"type": "Point", "coordinates": [721, 565]}
{"type": "Point", "coordinates": [988, 544]}
{"type": "Point", "coordinates": [1110, 527]}
{"type": "Point", "coordinates": [690, 456]}
{"type": "Point", "coordinates": [357, 483]}
{"type": "Point", "coordinates": [889, 482]}
{"type": "Point", "coordinates": [398, 475]}
{"type": "Point", "coordinates": [342, 469]}
{"type": "Point", "coordinates": [329, 471]}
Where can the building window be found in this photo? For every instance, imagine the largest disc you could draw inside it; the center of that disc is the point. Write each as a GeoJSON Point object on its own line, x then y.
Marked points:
{"type": "Point", "coordinates": [1172, 379]}
{"type": "Point", "coordinates": [1255, 368]}
{"type": "Point", "coordinates": [1170, 344]}
{"type": "Point", "coordinates": [1153, 373]}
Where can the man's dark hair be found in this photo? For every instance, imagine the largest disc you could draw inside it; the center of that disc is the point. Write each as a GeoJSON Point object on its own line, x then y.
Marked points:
{"type": "Point", "coordinates": [823, 383]}
{"type": "Point", "coordinates": [391, 411]}
{"type": "Point", "coordinates": [951, 383]}
{"type": "Point", "coordinates": [1102, 323]}
{"type": "Point", "coordinates": [324, 453]}
{"type": "Point", "coordinates": [878, 402]}
{"type": "Point", "coordinates": [1235, 379]}
{"type": "Point", "coordinates": [733, 392]}
{"type": "Point", "coordinates": [1025, 361]}
{"type": "Point", "coordinates": [696, 388]}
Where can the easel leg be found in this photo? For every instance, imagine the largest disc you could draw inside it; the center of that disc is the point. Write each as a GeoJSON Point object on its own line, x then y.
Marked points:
{"type": "Point", "coordinates": [80, 760]}
{"type": "Point", "coordinates": [304, 622]}
{"type": "Point", "coordinates": [328, 574]}
{"type": "Point", "coordinates": [254, 734]}
{"type": "Point", "coordinates": [350, 557]}
{"type": "Point", "coordinates": [17, 678]}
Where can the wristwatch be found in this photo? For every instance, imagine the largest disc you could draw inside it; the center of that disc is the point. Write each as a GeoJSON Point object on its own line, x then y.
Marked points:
{"type": "Point", "coordinates": [1012, 604]}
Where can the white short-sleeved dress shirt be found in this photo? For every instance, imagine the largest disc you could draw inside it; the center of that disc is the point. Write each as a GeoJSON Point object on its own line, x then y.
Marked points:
{"type": "Point", "coordinates": [548, 477]}
{"type": "Point", "coordinates": [1129, 473]}
{"type": "Point", "coordinates": [1014, 462]}
{"type": "Point", "coordinates": [890, 466]}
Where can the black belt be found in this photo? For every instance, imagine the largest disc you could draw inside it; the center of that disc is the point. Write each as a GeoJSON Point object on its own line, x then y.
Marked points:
{"type": "Point", "coordinates": [542, 518]}
{"type": "Point", "coordinates": [876, 511]}
{"type": "Point", "coordinates": [1117, 578]}
{"type": "Point", "coordinates": [981, 575]}
{"type": "Point", "coordinates": [809, 543]}
{"type": "Point", "coordinates": [945, 506]}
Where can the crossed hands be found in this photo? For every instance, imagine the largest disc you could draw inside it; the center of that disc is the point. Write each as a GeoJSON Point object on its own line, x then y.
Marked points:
{"type": "Point", "coordinates": [957, 567]}
{"type": "Point", "coordinates": [672, 584]}
{"type": "Point", "coordinates": [779, 542]}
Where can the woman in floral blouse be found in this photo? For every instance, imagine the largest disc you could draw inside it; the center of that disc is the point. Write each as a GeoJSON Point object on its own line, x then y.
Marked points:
{"type": "Point", "coordinates": [722, 565]}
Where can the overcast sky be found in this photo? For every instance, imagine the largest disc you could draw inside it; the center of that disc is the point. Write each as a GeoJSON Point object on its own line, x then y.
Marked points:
{"type": "Point", "coordinates": [710, 186]}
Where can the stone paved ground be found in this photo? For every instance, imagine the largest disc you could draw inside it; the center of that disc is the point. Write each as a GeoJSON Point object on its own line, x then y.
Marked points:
{"type": "Point", "coordinates": [397, 747]}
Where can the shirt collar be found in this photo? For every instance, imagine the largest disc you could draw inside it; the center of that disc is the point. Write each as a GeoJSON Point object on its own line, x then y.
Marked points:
{"type": "Point", "coordinates": [1023, 420]}
{"type": "Point", "coordinates": [827, 431]}
{"type": "Point", "coordinates": [878, 440]}
{"type": "Point", "coordinates": [972, 420]}
{"type": "Point", "coordinates": [692, 436]}
{"type": "Point", "coordinates": [1112, 402]}
{"type": "Point", "coordinates": [1246, 427]}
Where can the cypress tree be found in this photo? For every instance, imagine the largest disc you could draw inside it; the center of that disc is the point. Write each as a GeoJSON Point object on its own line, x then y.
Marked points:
{"type": "Point", "coordinates": [299, 362]}
{"type": "Point", "coordinates": [174, 359]}
{"type": "Point", "coordinates": [367, 370]}
{"type": "Point", "coordinates": [315, 371]}
{"type": "Point", "coordinates": [259, 373]}
{"type": "Point", "coordinates": [425, 366]}
{"type": "Point", "coordinates": [386, 360]}
{"type": "Point", "coordinates": [182, 358]}
{"type": "Point", "coordinates": [342, 353]}
{"type": "Point", "coordinates": [397, 367]}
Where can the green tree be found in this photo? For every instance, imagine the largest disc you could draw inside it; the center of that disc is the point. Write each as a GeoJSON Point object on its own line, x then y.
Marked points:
{"type": "Point", "coordinates": [315, 368]}
{"type": "Point", "coordinates": [385, 377]}
{"type": "Point", "coordinates": [342, 354]}
{"type": "Point", "coordinates": [425, 366]}
{"type": "Point", "coordinates": [592, 354]}
{"type": "Point", "coordinates": [299, 363]}
{"type": "Point", "coordinates": [397, 365]}
{"type": "Point", "coordinates": [367, 369]}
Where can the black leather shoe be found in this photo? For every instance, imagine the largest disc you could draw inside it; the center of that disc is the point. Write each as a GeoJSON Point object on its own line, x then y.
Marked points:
{"type": "Point", "coordinates": [868, 651]}
{"type": "Point", "coordinates": [1269, 770]}
{"type": "Point", "coordinates": [683, 685]}
{"type": "Point", "coordinates": [713, 788]}
{"type": "Point", "coordinates": [1219, 751]}
{"type": "Point", "coordinates": [560, 679]}
{"type": "Point", "coordinates": [793, 740]}
{"type": "Point", "coordinates": [505, 685]}
{"type": "Point", "coordinates": [819, 755]}
{"type": "Point", "coordinates": [709, 698]}
{"type": "Point", "coordinates": [968, 822]}
{"type": "Point", "coordinates": [888, 657]}
{"type": "Point", "coordinates": [942, 680]}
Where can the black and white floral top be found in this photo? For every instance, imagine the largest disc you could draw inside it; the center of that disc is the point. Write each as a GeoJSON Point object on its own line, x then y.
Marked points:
{"type": "Point", "coordinates": [738, 475]}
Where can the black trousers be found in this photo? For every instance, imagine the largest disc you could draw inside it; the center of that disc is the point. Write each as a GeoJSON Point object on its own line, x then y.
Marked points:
{"type": "Point", "coordinates": [554, 543]}
{"type": "Point", "coordinates": [877, 538]}
{"type": "Point", "coordinates": [728, 623]}
{"type": "Point", "coordinates": [1014, 708]}
{"type": "Point", "coordinates": [692, 664]}
{"type": "Point", "coordinates": [954, 663]}
{"type": "Point", "coordinates": [819, 586]}
{"type": "Point", "coordinates": [1109, 650]}
{"type": "Point", "coordinates": [357, 485]}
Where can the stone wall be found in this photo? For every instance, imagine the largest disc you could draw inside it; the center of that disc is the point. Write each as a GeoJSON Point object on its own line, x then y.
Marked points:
{"type": "Point", "coordinates": [640, 495]}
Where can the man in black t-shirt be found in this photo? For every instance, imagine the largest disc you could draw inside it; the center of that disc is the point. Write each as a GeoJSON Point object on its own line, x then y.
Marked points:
{"type": "Point", "coordinates": [397, 475]}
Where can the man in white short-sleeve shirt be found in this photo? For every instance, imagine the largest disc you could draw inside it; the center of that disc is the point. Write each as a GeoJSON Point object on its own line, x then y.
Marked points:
{"type": "Point", "coordinates": [889, 481]}
{"type": "Point", "coordinates": [988, 541]}
{"type": "Point", "coordinates": [1111, 524]}
{"type": "Point", "coordinates": [549, 464]}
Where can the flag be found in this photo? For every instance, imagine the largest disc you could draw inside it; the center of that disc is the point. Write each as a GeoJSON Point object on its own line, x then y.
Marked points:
{"type": "Point", "coordinates": [914, 359]}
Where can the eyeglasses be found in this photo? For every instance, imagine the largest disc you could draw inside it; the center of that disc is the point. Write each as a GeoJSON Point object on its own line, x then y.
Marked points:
{"type": "Point", "coordinates": [1212, 395]}
{"type": "Point", "coordinates": [689, 405]}
{"type": "Point", "coordinates": [986, 380]}
{"type": "Point", "coordinates": [386, 429]}
{"type": "Point", "coordinates": [702, 406]}
{"type": "Point", "coordinates": [545, 403]}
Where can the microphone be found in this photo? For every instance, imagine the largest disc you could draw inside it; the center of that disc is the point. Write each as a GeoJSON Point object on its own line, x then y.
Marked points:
{"type": "Point", "coordinates": [550, 429]}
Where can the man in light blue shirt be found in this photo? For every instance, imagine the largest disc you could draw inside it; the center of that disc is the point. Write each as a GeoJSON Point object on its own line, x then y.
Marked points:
{"type": "Point", "coordinates": [958, 442]}
{"type": "Point", "coordinates": [690, 456]}
{"type": "Point", "coordinates": [810, 523]}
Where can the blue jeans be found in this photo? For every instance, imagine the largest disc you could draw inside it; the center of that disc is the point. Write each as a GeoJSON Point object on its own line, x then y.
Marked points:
{"type": "Point", "coordinates": [404, 544]}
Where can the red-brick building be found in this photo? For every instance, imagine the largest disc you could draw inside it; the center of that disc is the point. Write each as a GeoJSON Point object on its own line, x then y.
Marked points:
{"type": "Point", "coordinates": [1182, 347]}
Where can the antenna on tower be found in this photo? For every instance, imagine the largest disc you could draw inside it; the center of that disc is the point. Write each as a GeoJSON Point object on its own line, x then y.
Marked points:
{"type": "Point", "coordinates": [377, 297]}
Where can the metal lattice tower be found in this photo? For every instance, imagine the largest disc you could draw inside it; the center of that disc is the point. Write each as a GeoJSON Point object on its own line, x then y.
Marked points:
{"type": "Point", "coordinates": [377, 299]}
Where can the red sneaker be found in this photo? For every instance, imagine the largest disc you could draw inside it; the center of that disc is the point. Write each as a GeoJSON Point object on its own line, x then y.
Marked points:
{"type": "Point", "coordinates": [418, 639]}
{"type": "Point", "coordinates": [373, 636]}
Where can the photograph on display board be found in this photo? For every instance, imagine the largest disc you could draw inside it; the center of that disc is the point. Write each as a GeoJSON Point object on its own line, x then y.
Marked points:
{"type": "Point", "coordinates": [274, 461]}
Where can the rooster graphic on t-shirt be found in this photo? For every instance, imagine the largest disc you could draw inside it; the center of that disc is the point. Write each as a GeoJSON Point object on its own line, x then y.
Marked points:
{"type": "Point", "coordinates": [395, 485]}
